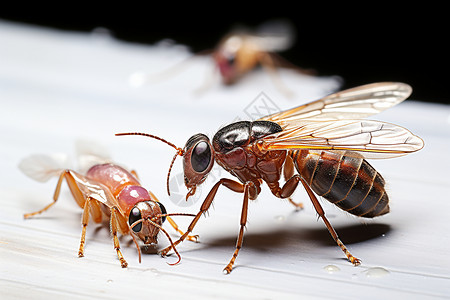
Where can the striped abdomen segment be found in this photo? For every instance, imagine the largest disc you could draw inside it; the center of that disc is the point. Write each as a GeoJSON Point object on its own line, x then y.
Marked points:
{"type": "Point", "coordinates": [349, 182]}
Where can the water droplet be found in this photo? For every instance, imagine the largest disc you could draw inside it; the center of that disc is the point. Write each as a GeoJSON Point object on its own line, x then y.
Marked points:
{"type": "Point", "coordinates": [377, 272]}
{"type": "Point", "coordinates": [109, 281]}
{"type": "Point", "coordinates": [280, 218]}
{"type": "Point", "coordinates": [331, 269]}
{"type": "Point", "coordinates": [154, 272]}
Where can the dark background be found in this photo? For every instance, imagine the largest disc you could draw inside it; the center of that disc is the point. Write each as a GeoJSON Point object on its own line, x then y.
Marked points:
{"type": "Point", "coordinates": [377, 42]}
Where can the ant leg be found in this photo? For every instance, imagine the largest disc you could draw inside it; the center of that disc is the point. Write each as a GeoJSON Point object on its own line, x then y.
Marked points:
{"type": "Point", "coordinates": [231, 184]}
{"type": "Point", "coordinates": [298, 206]}
{"type": "Point", "coordinates": [192, 238]}
{"type": "Point", "coordinates": [55, 197]}
{"type": "Point", "coordinates": [270, 65]}
{"type": "Point", "coordinates": [113, 224]}
{"type": "Point", "coordinates": [288, 173]}
{"type": "Point", "coordinates": [96, 211]}
{"type": "Point", "coordinates": [74, 189]}
{"type": "Point", "coordinates": [89, 204]}
{"type": "Point", "coordinates": [208, 81]}
{"type": "Point", "coordinates": [355, 261]}
{"type": "Point", "coordinates": [134, 173]}
{"type": "Point", "coordinates": [243, 222]}
{"type": "Point", "coordinates": [279, 62]}
{"type": "Point", "coordinates": [84, 223]}
{"type": "Point", "coordinates": [78, 195]}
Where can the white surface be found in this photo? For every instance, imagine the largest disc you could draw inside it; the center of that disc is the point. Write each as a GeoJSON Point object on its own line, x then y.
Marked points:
{"type": "Point", "coordinates": [58, 87]}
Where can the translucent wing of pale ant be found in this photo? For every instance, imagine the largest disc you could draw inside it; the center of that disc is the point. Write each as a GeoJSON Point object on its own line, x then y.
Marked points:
{"type": "Point", "coordinates": [90, 153]}
{"type": "Point", "coordinates": [273, 36]}
{"type": "Point", "coordinates": [42, 167]}
{"type": "Point", "coordinates": [371, 139]}
{"type": "Point", "coordinates": [356, 103]}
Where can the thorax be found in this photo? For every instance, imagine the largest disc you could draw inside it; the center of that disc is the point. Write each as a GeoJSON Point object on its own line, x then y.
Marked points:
{"type": "Point", "coordinates": [235, 151]}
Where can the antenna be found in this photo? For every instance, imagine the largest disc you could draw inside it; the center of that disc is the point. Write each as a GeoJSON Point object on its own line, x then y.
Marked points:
{"type": "Point", "coordinates": [180, 151]}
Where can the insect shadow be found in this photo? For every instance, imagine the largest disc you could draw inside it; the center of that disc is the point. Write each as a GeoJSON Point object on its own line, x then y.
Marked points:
{"type": "Point", "coordinates": [286, 237]}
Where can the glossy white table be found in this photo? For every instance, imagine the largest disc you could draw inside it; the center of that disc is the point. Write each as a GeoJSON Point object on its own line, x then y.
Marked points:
{"type": "Point", "coordinates": [59, 87]}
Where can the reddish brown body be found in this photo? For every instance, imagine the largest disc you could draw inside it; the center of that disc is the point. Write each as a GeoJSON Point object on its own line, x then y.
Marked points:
{"type": "Point", "coordinates": [237, 148]}
{"type": "Point", "coordinates": [325, 140]}
{"type": "Point", "coordinates": [237, 153]}
{"type": "Point", "coordinates": [349, 182]}
{"type": "Point", "coordinates": [250, 166]}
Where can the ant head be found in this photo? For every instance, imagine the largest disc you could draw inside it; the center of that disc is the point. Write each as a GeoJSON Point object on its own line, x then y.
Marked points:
{"type": "Point", "coordinates": [227, 58]}
{"type": "Point", "coordinates": [198, 160]}
{"type": "Point", "coordinates": [145, 220]}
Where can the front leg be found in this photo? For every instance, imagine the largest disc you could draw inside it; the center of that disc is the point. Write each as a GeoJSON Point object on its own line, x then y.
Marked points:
{"type": "Point", "coordinates": [192, 238]}
{"type": "Point", "coordinates": [244, 211]}
{"type": "Point", "coordinates": [114, 228]}
{"type": "Point", "coordinates": [267, 60]}
{"type": "Point", "coordinates": [231, 184]}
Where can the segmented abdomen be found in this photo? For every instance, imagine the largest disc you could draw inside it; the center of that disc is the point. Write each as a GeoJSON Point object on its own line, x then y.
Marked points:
{"type": "Point", "coordinates": [349, 182]}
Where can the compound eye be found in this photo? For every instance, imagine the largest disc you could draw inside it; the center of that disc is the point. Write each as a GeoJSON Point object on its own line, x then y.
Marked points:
{"type": "Point", "coordinates": [163, 211]}
{"type": "Point", "coordinates": [201, 157]}
{"type": "Point", "coordinates": [135, 215]}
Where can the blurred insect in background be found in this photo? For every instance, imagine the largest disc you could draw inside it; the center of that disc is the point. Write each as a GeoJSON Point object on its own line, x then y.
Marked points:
{"type": "Point", "coordinates": [240, 52]}
{"type": "Point", "coordinates": [326, 141]}
{"type": "Point", "coordinates": [106, 190]}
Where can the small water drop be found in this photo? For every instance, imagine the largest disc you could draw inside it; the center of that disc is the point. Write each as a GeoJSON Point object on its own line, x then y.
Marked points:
{"type": "Point", "coordinates": [377, 272]}
{"type": "Point", "coordinates": [109, 281]}
{"type": "Point", "coordinates": [280, 218]}
{"type": "Point", "coordinates": [331, 269]}
{"type": "Point", "coordinates": [154, 272]}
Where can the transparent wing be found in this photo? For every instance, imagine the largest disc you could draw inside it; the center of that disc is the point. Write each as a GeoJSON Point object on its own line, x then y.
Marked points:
{"type": "Point", "coordinates": [274, 36]}
{"type": "Point", "coordinates": [370, 139]}
{"type": "Point", "coordinates": [42, 167]}
{"type": "Point", "coordinates": [90, 153]}
{"type": "Point", "coordinates": [355, 103]}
